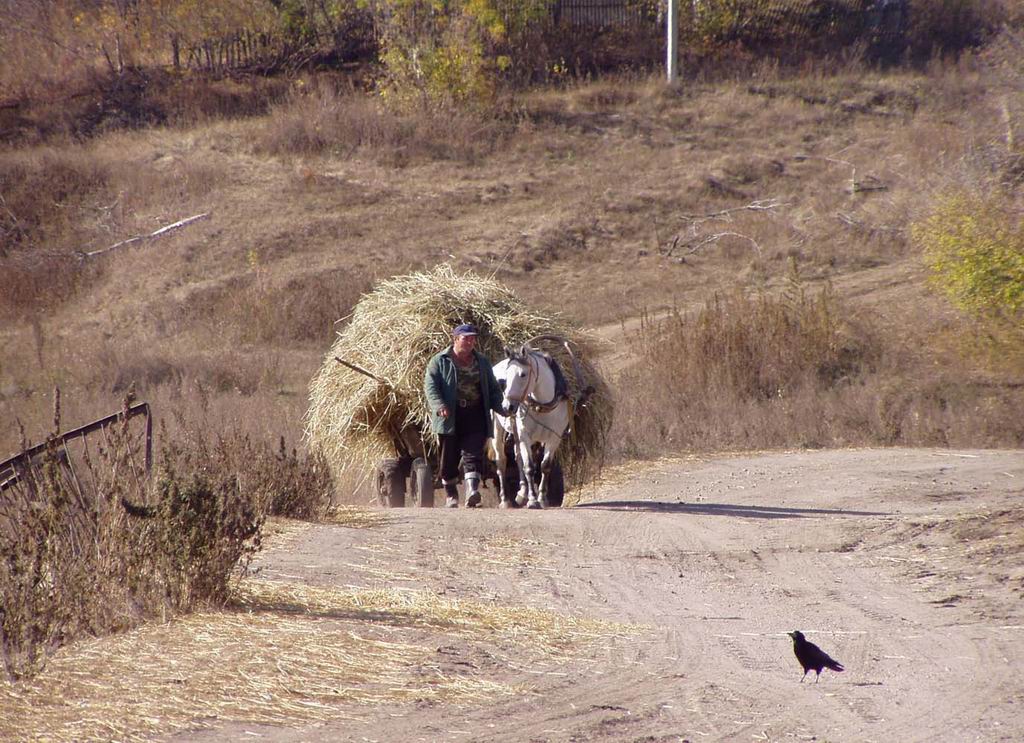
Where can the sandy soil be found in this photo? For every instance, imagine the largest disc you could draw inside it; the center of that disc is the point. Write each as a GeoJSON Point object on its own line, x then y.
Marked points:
{"type": "Point", "coordinates": [906, 565]}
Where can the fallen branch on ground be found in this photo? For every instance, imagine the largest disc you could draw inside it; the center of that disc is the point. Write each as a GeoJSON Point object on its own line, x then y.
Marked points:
{"type": "Point", "coordinates": [868, 183]}
{"type": "Point", "coordinates": [863, 185]}
{"type": "Point", "coordinates": [851, 221]}
{"type": "Point", "coordinates": [158, 233]}
{"type": "Point", "coordinates": [695, 245]}
{"type": "Point", "coordinates": [761, 205]}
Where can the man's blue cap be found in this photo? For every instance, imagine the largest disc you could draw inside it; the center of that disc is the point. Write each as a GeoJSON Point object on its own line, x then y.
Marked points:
{"type": "Point", "coordinates": [466, 329]}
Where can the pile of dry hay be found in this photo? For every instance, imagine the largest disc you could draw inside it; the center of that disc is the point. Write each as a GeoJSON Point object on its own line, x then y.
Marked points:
{"type": "Point", "coordinates": [395, 330]}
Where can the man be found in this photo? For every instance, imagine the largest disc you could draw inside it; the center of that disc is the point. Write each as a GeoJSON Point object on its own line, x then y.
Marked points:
{"type": "Point", "coordinates": [461, 393]}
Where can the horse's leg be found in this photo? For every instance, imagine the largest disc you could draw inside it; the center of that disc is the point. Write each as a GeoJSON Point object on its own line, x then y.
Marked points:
{"type": "Point", "coordinates": [526, 485]}
{"type": "Point", "coordinates": [558, 422]}
{"type": "Point", "coordinates": [523, 491]}
{"type": "Point", "coordinates": [545, 469]}
{"type": "Point", "coordinates": [499, 462]}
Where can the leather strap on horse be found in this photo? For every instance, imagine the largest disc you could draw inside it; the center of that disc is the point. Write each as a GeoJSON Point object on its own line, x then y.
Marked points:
{"type": "Point", "coordinates": [538, 407]}
{"type": "Point", "coordinates": [532, 402]}
{"type": "Point", "coordinates": [583, 391]}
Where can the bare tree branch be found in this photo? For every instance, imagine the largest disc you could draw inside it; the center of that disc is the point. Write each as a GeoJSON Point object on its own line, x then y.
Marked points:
{"type": "Point", "coordinates": [697, 241]}
{"type": "Point", "coordinates": [718, 236]}
{"type": "Point", "coordinates": [697, 244]}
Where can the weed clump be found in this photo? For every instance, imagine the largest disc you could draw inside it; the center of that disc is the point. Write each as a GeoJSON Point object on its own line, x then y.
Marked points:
{"type": "Point", "coordinates": [344, 124]}
{"type": "Point", "coordinates": [89, 547]}
{"type": "Point", "coordinates": [300, 486]}
{"type": "Point", "coordinates": [799, 370]}
{"type": "Point", "coordinates": [744, 371]}
{"type": "Point", "coordinates": [207, 525]}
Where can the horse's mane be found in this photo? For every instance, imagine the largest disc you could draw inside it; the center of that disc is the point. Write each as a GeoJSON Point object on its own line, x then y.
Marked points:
{"type": "Point", "coordinates": [561, 384]}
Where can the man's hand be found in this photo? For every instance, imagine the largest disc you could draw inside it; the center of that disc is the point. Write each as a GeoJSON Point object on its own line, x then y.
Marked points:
{"type": "Point", "coordinates": [443, 411]}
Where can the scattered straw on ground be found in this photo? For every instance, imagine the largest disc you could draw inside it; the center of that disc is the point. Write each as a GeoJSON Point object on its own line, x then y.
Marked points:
{"type": "Point", "coordinates": [287, 654]}
{"type": "Point", "coordinates": [393, 333]}
{"type": "Point", "coordinates": [492, 554]}
{"type": "Point", "coordinates": [514, 551]}
{"type": "Point", "coordinates": [356, 517]}
{"type": "Point", "coordinates": [380, 571]}
{"type": "Point", "coordinates": [280, 533]}
{"type": "Point", "coordinates": [544, 630]}
{"type": "Point", "coordinates": [263, 668]}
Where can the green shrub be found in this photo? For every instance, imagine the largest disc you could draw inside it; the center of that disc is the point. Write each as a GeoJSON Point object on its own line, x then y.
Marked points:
{"type": "Point", "coordinates": [209, 526]}
{"type": "Point", "coordinates": [974, 248]}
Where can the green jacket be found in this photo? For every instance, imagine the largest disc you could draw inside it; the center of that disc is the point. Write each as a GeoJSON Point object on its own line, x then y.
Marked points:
{"type": "Point", "coordinates": [441, 384]}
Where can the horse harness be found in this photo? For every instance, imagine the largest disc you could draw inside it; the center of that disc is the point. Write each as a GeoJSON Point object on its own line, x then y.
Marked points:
{"type": "Point", "coordinates": [534, 406]}
{"type": "Point", "coordinates": [532, 402]}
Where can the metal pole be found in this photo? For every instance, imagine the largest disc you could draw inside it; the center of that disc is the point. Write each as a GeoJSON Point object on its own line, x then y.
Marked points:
{"type": "Point", "coordinates": [672, 40]}
{"type": "Point", "coordinates": [149, 441]}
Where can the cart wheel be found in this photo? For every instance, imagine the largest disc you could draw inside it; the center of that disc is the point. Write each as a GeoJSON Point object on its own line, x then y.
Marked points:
{"type": "Point", "coordinates": [556, 481]}
{"type": "Point", "coordinates": [422, 483]}
{"type": "Point", "coordinates": [556, 486]}
{"type": "Point", "coordinates": [390, 484]}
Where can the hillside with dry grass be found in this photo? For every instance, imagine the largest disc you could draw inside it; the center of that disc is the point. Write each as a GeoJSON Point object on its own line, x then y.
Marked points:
{"type": "Point", "coordinates": [600, 200]}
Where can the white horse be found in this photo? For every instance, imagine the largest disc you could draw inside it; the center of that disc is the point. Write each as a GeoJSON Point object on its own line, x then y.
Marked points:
{"type": "Point", "coordinates": [537, 414]}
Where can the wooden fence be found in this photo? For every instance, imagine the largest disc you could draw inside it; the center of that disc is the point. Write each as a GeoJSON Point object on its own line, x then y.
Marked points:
{"type": "Point", "coordinates": [240, 50]}
{"type": "Point", "coordinates": [603, 13]}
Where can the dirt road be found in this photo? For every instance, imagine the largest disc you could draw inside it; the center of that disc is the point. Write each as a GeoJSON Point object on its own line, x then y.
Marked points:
{"type": "Point", "coordinates": [906, 565]}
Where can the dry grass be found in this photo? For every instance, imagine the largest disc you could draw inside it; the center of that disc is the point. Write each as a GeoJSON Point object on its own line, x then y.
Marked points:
{"type": "Point", "coordinates": [799, 370]}
{"type": "Point", "coordinates": [287, 654]}
{"type": "Point", "coordinates": [80, 103]}
{"type": "Point", "coordinates": [58, 202]}
{"type": "Point", "coordinates": [324, 121]}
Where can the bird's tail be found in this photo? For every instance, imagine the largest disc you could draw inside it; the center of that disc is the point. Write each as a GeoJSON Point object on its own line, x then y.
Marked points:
{"type": "Point", "coordinates": [835, 665]}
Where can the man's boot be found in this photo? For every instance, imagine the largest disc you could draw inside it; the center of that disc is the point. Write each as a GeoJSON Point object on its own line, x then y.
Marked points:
{"type": "Point", "coordinates": [451, 491]}
{"type": "Point", "coordinates": [472, 490]}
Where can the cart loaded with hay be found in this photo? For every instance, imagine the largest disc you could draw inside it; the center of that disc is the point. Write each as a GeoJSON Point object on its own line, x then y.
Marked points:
{"type": "Point", "coordinates": [368, 411]}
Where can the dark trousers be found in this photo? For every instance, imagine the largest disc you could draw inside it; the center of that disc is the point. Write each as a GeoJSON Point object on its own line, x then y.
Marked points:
{"type": "Point", "coordinates": [466, 443]}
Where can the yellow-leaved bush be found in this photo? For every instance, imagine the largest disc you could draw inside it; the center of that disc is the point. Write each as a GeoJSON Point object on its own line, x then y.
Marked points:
{"type": "Point", "coordinates": [974, 248]}
{"type": "Point", "coordinates": [440, 54]}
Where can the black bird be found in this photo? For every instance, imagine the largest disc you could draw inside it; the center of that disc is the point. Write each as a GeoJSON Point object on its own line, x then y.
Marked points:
{"type": "Point", "coordinates": [812, 657]}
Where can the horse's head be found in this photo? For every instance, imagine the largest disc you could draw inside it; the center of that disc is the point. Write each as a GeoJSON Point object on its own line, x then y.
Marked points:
{"type": "Point", "coordinates": [519, 378]}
